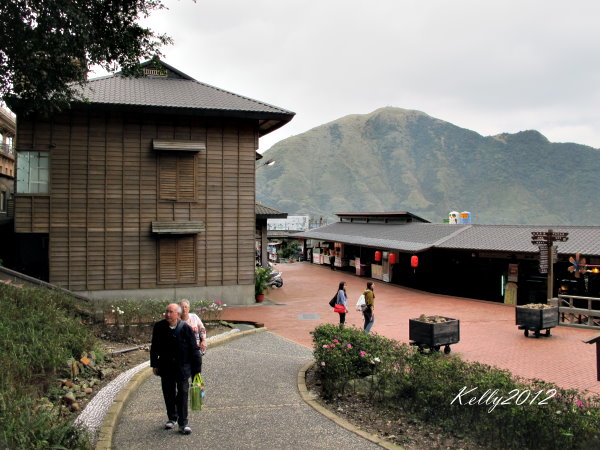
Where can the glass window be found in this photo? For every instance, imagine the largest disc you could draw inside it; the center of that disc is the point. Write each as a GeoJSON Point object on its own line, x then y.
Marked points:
{"type": "Point", "coordinates": [3, 198]}
{"type": "Point", "coordinates": [32, 172]}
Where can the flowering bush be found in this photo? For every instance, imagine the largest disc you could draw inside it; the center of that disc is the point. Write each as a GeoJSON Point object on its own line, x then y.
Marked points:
{"type": "Point", "coordinates": [466, 397]}
{"type": "Point", "coordinates": [128, 311]}
{"type": "Point", "coordinates": [348, 353]}
{"type": "Point", "coordinates": [208, 310]}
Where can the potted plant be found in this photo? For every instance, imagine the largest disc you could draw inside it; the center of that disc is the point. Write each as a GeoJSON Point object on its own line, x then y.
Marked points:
{"type": "Point", "coordinates": [262, 275]}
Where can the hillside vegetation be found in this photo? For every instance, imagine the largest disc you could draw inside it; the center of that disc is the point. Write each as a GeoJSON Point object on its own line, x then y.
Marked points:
{"type": "Point", "coordinates": [41, 332]}
{"type": "Point", "coordinates": [402, 160]}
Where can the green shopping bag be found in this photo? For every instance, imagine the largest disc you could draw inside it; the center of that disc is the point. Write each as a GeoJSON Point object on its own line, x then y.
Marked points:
{"type": "Point", "coordinates": [197, 393]}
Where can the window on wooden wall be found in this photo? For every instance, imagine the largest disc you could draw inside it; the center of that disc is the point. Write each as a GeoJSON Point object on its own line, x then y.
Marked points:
{"type": "Point", "coordinates": [33, 172]}
{"type": "Point", "coordinates": [177, 177]}
{"type": "Point", "coordinates": [177, 259]}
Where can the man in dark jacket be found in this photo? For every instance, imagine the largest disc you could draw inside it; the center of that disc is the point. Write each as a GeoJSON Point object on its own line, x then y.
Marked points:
{"type": "Point", "coordinates": [175, 356]}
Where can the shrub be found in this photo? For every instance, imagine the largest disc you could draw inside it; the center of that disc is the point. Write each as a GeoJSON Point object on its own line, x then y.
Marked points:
{"type": "Point", "coordinates": [24, 424]}
{"type": "Point", "coordinates": [40, 330]}
{"type": "Point", "coordinates": [439, 388]}
{"type": "Point", "coordinates": [210, 311]}
{"type": "Point", "coordinates": [345, 354]}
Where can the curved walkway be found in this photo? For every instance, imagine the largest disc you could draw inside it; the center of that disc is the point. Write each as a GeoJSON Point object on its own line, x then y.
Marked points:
{"type": "Point", "coordinates": [252, 402]}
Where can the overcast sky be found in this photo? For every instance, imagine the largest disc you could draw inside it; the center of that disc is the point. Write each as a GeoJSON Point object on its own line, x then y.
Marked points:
{"type": "Point", "coordinates": [491, 66]}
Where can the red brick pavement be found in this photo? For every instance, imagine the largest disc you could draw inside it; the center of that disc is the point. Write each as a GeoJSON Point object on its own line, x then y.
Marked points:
{"type": "Point", "coordinates": [488, 333]}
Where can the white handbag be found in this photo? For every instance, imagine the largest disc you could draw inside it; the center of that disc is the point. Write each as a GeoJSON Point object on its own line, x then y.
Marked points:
{"type": "Point", "coordinates": [361, 305]}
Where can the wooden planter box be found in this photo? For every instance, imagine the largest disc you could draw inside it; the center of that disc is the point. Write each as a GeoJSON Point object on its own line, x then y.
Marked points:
{"type": "Point", "coordinates": [434, 335]}
{"type": "Point", "coordinates": [536, 319]}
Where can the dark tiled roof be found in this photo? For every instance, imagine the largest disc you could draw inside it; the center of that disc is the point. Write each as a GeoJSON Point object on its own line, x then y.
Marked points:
{"type": "Point", "coordinates": [181, 93]}
{"type": "Point", "coordinates": [415, 237]}
{"type": "Point", "coordinates": [517, 238]}
{"type": "Point", "coordinates": [266, 212]}
{"type": "Point", "coordinates": [411, 237]}
{"type": "Point", "coordinates": [170, 93]}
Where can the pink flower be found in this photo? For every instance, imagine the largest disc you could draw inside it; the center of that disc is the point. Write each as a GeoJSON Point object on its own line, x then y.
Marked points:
{"type": "Point", "coordinates": [335, 341]}
{"type": "Point", "coordinates": [349, 346]}
{"type": "Point", "coordinates": [323, 363]}
{"type": "Point", "coordinates": [363, 353]}
{"type": "Point", "coordinates": [326, 346]}
{"type": "Point", "coordinates": [580, 404]}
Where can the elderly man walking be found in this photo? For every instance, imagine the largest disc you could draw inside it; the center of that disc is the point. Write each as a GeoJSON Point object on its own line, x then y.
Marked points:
{"type": "Point", "coordinates": [175, 357]}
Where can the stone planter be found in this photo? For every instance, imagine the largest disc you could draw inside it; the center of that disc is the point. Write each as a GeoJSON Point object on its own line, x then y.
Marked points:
{"type": "Point", "coordinates": [536, 319]}
{"type": "Point", "coordinates": [433, 335]}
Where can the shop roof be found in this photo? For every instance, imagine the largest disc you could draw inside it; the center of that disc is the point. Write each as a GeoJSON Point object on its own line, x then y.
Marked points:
{"type": "Point", "coordinates": [417, 237]}
{"type": "Point", "coordinates": [266, 212]}
{"type": "Point", "coordinates": [517, 238]}
{"type": "Point", "coordinates": [410, 237]}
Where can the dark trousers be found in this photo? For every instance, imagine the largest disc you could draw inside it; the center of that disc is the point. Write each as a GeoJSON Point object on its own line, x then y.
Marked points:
{"type": "Point", "coordinates": [175, 392]}
{"type": "Point", "coordinates": [342, 319]}
{"type": "Point", "coordinates": [368, 314]}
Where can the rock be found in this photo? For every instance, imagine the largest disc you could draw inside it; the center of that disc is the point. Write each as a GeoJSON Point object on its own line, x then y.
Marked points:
{"type": "Point", "coordinates": [88, 390]}
{"type": "Point", "coordinates": [69, 398]}
{"type": "Point", "coordinates": [85, 360]}
{"type": "Point", "coordinates": [68, 383]}
{"type": "Point", "coordinates": [75, 407]}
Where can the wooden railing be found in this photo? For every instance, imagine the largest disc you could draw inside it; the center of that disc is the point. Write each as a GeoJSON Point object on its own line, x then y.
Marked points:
{"type": "Point", "coordinates": [579, 312]}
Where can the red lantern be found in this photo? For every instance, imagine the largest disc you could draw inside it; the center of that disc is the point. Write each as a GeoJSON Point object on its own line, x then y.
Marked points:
{"type": "Point", "coordinates": [377, 255]}
{"type": "Point", "coordinates": [392, 258]}
{"type": "Point", "coordinates": [414, 261]}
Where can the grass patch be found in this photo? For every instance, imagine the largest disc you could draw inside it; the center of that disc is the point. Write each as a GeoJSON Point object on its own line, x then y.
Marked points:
{"type": "Point", "coordinates": [40, 331]}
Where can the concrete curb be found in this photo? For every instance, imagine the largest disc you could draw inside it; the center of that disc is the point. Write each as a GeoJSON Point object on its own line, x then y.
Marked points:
{"type": "Point", "coordinates": [111, 418]}
{"type": "Point", "coordinates": [310, 399]}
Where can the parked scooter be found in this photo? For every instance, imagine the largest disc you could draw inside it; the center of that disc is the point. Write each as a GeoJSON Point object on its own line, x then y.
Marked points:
{"type": "Point", "coordinates": [276, 280]}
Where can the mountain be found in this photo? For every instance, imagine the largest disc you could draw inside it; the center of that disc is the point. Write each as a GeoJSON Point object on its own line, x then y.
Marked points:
{"type": "Point", "coordinates": [402, 160]}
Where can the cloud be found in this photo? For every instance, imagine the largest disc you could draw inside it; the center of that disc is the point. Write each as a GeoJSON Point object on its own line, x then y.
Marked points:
{"type": "Point", "coordinates": [492, 66]}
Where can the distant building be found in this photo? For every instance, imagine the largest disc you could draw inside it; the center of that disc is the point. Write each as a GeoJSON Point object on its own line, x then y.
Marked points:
{"type": "Point", "coordinates": [291, 223]}
{"type": "Point", "coordinates": [467, 260]}
{"type": "Point", "coordinates": [147, 190]}
{"type": "Point", "coordinates": [263, 215]}
{"type": "Point", "coordinates": [7, 161]}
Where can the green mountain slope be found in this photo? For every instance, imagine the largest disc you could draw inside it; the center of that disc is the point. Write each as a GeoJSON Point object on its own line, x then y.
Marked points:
{"type": "Point", "coordinates": [402, 160]}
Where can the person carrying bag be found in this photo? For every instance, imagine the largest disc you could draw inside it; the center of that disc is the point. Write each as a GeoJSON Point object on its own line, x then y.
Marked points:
{"type": "Point", "coordinates": [341, 303]}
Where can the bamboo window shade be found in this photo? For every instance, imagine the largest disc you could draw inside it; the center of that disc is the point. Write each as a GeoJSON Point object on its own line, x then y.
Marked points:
{"type": "Point", "coordinates": [177, 175]}
{"type": "Point", "coordinates": [177, 259]}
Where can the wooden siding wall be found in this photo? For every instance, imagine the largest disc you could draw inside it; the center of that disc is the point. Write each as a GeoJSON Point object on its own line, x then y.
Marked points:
{"type": "Point", "coordinates": [32, 214]}
{"type": "Point", "coordinates": [105, 191]}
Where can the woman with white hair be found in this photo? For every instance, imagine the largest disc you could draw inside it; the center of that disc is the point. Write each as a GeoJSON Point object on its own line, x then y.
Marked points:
{"type": "Point", "coordinates": [195, 322]}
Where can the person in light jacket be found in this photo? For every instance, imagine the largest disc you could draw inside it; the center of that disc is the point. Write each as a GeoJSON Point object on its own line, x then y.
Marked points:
{"type": "Point", "coordinates": [368, 313]}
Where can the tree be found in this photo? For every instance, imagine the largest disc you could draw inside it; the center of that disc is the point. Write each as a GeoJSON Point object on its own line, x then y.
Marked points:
{"type": "Point", "coordinates": [47, 46]}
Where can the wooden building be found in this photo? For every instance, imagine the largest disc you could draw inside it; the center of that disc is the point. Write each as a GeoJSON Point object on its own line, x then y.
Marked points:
{"type": "Point", "coordinates": [147, 190]}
